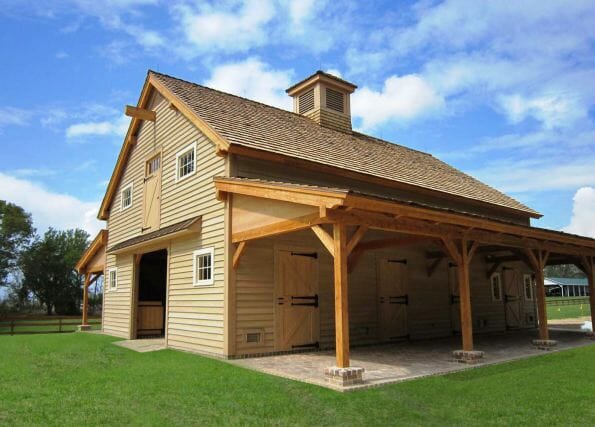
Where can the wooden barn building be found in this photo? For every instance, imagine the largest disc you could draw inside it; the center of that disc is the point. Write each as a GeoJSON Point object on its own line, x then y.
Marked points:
{"type": "Point", "coordinates": [235, 228]}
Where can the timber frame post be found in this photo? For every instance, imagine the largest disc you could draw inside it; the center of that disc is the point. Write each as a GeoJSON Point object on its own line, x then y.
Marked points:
{"type": "Point", "coordinates": [341, 374]}
{"type": "Point", "coordinates": [538, 260]}
{"type": "Point", "coordinates": [461, 254]}
{"type": "Point", "coordinates": [85, 321]}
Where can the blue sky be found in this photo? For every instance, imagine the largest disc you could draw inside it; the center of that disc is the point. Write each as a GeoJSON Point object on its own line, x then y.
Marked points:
{"type": "Point", "coordinates": [502, 90]}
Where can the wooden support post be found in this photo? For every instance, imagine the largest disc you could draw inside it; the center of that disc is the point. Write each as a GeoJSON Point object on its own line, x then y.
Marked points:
{"type": "Point", "coordinates": [238, 254]}
{"type": "Point", "coordinates": [86, 298]}
{"type": "Point", "coordinates": [538, 260]}
{"type": "Point", "coordinates": [461, 254]}
{"type": "Point", "coordinates": [341, 299]}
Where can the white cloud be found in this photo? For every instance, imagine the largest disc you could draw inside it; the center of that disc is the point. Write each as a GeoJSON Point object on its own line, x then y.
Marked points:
{"type": "Point", "coordinates": [50, 209]}
{"type": "Point", "coordinates": [300, 11]}
{"type": "Point", "coordinates": [11, 116]}
{"type": "Point", "coordinates": [401, 99]}
{"type": "Point", "coordinates": [253, 79]}
{"type": "Point", "coordinates": [116, 127]}
{"type": "Point", "coordinates": [583, 213]}
{"type": "Point", "coordinates": [552, 110]}
{"type": "Point", "coordinates": [233, 29]}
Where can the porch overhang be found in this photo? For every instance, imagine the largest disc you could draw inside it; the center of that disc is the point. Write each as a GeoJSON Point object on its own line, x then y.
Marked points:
{"type": "Point", "coordinates": [180, 229]}
{"type": "Point", "coordinates": [93, 259]}
{"type": "Point", "coordinates": [335, 205]}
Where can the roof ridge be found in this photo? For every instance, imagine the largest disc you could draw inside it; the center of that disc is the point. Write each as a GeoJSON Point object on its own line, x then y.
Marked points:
{"type": "Point", "coordinates": [292, 113]}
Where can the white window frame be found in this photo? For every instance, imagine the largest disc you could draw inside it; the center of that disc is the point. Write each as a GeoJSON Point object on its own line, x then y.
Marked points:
{"type": "Point", "coordinates": [111, 288]}
{"type": "Point", "coordinates": [191, 147]}
{"type": "Point", "coordinates": [195, 255]}
{"type": "Point", "coordinates": [122, 207]}
{"type": "Point", "coordinates": [499, 276]}
{"type": "Point", "coordinates": [525, 276]}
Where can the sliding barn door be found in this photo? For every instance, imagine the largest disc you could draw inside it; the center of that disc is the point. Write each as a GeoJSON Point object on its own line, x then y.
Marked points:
{"type": "Point", "coordinates": [296, 301]}
{"type": "Point", "coordinates": [392, 300]}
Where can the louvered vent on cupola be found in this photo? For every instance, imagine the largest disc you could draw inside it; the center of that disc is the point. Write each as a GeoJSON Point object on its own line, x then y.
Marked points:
{"type": "Point", "coordinates": [306, 101]}
{"type": "Point", "coordinates": [334, 100]}
{"type": "Point", "coordinates": [324, 98]}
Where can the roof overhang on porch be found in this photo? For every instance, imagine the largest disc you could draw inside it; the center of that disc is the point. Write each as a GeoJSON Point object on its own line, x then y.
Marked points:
{"type": "Point", "coordinates": [93, 259]}
{"type": "Point", "coordinates": [294, 207]}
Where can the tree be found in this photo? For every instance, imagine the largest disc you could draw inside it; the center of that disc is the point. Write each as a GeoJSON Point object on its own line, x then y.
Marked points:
{"type": "Point", "coordinates": [566, 270]}
{"type": "Point", "coordinates": [48, 269]}
{"type": "Point", "coordinates": [16, 232]}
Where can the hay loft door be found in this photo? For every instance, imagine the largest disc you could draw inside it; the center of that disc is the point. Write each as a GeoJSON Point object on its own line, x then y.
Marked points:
{"type": "Point", "coordinates": [296, 302]}
{"type": "Point", "coordinates": [152, 194]}
{"type": "Point", "coordinates": [512, 300]}
{"type": "Point", "coordinates": [393, 300]}
{"type": "Point", "coordinates": [455, 299]}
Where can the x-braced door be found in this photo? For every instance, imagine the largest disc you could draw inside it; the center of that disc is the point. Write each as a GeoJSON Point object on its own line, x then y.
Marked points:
{"type": "Point", "coordinates": [512, 300]}
{"type": "Point", "coordinates": [152, 194]}
{"type": "Point", "coordinates": [296, 300]}
{"type": "Point", "coordinates": [392, 299]}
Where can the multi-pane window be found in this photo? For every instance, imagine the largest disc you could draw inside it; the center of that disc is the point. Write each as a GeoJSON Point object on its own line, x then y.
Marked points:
{"type": "Point", "coordinates": [203, 266]}
{"type": "Point", "coordinates": [153, 165]}
{"type": "Point", "coordinates": [528, 284]}
{"type": "Point", "coordinates": [126, 196]}
{"type": "Point", "coordinates": [113, 278]}
{"type": "Point", "coordinates": [496, 283]}
{"type": "Point", "coordinates": [185, 162]}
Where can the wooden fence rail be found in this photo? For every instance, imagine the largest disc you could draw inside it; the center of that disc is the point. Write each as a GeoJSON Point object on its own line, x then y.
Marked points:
{"type": "Point", "coordinates": [572, 301]}
{"type": "Point", "coordinates": [11, 326]}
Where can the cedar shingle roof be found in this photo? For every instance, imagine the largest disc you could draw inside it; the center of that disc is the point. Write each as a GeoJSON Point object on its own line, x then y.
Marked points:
{"type": "Point", "coordinates": [254, 125]}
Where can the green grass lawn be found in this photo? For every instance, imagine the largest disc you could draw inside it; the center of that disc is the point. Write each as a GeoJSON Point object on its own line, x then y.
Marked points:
{"type": "Point", "coordinates": [568, 311]}
{"type": "Point", "coordinates": [82, 379]}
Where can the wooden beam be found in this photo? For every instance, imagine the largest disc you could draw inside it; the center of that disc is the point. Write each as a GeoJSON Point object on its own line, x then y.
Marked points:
{"type": "Point", "coordinates": [433, 230]}
{"type": "Point", "coordinates": [141, 113]}
{"type": "Point", "coordinates": [341, 296]}
{"type": "Point", "coordinates": [465, 297]}
{"type": "Point", "coordinates": [281, 227]}
{"type": "Point", "coordinates": [238, 254]}
{"type": "Point", "coordinates": [325, 238]}
{"type": "Point", "coordinates": [389, 242]}
{"type": "Point", "coordinates": [355, 239]}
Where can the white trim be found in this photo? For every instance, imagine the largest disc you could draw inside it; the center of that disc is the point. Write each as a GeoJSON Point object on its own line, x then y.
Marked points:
{"type": "Point", "coordinates": [111, 288]}
{"type": "Point", "coordinates": [131, 186]}
{"type": "Point", "coordinates": [195, 254]}
{"type": "Point", "coordinates": [499, 276]}
{"type": "Point", "coordinates": [525, 276]}
{"type": "Point", "coordinates": [178, 155]}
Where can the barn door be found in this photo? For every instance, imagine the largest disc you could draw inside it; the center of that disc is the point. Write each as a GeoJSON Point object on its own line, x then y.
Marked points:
{"type": "Point", "coordinates": [152, 194]}
{"type": "Point", "coordinates": [454, 299]}
{"type": "Point", "coordinates": [392, 299]}
{"type": "Point", "coordinates": [296, 301]}
{"type": "Point", "coordinates": [512, 300]}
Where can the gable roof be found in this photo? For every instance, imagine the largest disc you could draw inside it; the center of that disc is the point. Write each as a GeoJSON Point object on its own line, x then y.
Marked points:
{"type": "Point", "coordinates": [241, 122]}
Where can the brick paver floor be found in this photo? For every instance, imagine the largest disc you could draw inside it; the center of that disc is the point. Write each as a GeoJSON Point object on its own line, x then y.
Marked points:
{"type": "Point", "coordinates": [391, 363]}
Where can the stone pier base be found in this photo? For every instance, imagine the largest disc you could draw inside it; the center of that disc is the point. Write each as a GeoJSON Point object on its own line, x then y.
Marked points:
{"type": "Point", "coordinates": [83, 328]}
{"type": "Point", "coordinates": [344, 376]}
{"type": "Point", "coordinates": [469, 357]}
{"type": "Point", "coordinates": [545, 344]}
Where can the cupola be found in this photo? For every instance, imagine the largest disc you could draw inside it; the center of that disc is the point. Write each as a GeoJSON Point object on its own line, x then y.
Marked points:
{"type": "Point", "coordinates": [324, 98]}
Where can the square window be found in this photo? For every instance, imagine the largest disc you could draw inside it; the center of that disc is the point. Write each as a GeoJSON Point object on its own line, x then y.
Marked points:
{"type": "Point", "coordinates": [528, 282]}
{"type": "Point", "coordinates": [185, 162]}
{"type": "Point", "coordinates": [126, 196]}
{"type": "Point", "coordinates": [203, 267]}
{"type": "Point", "coordinates": [113, 278]}
{"type": "Point", "coordinates": [496, 283]}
